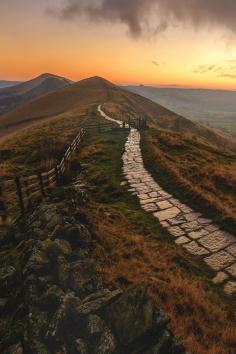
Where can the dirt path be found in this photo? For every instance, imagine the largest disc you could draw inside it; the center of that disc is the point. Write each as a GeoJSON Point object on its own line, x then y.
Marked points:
{"type": "Point", "coordinates": [198, 235]}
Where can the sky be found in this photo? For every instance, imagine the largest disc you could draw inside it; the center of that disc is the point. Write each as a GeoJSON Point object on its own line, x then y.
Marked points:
{"type": "Point", "coordinates": [186, 43]}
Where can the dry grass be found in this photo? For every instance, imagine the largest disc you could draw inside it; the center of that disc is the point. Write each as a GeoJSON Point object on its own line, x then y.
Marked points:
{"type": "Point", "coordinates": [132, 248]}
{"type": "Point", "coordinates": [126, 256]}
{"type": "Point", "coordinates": [193, 170]}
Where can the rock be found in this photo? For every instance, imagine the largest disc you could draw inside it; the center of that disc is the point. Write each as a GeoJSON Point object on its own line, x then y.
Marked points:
{"type": "Point", "coordinates": [15, 349]}
{"type": "Point", "coordinates": [65, 320]}
{"type": "Point", "coordinates": [81, 273]}
{"type": "Point", "coordinates": [97, 305]}
{"type": "Point", "coordinates": [220, 278]}
{"type": "Point", "coordinates": [106, 343]}
{"type": "Point", "coordinates": [80, 346]}
{"type": "Point", "coordinates": [95, 326]}
{"type": "Point", "coordinates": [8, 275]}
{"type": "Point", "coordinates": [78, 236]}
{"type": "Point", "coordinates": [63, 274]}
{"type": "Point", "coordinates": [54, 221]}
{"type": "Point", "coordinates": [56, 248]}
{"type": "Point", "coordinates": [52, 297]}
{"type": "Point", "coordinates": [3, 302]}
{"type": "Point", "coordinates": [38, 262]}
{"type": "Point", "coordinates": [132, 314]}
{"type": "Point", "coordinates": [63, 247]}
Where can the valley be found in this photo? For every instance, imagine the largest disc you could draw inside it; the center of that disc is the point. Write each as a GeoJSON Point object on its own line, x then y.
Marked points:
{"type": "Point", "coordinates": [215, 108]}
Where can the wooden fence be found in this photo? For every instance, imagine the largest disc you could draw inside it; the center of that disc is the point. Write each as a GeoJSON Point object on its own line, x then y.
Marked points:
{"type": "Point", "coordinates": [18, 193]}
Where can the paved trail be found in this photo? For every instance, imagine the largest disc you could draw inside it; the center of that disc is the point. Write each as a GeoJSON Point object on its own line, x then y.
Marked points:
{"type": "Point", "coordinates": [198, 235]}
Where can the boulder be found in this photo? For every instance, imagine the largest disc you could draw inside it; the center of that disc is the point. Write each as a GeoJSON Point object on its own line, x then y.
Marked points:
{"type": "Point", "coordinates": [96, 305]}
{"type": "Point", "coordinates": [131, 315]}
{"type": "Point", "coordinates": [65, 320]}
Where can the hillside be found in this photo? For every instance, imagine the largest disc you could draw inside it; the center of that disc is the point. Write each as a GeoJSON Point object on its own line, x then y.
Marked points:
{"type": "Point", "coordinates": [119, 102]}
{"type": "Point", "coordinates": [11, 97]}
{"type": "Point", "coordinates": [216, 108]}
{"type": "Point", "coordinates": [6, 83]}
{"type": "Point", "coordinates": [90, 238]}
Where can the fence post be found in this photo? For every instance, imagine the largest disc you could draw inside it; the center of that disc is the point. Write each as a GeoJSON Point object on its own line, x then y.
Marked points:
{"type": "Point", "coordinates": [3, 210]}
{"type": "Point", "coordinates": [129, 123]}
{"type": "Point", "coordinates": [20, 195]}
{"type": "Point", "coordinates": [40, 177]}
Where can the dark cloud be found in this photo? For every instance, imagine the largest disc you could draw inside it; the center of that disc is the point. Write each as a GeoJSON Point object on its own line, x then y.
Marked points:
{"type": "Point", "coordinates": [139, 15]}
{"type": "Point", "coordinates": [231, 76]}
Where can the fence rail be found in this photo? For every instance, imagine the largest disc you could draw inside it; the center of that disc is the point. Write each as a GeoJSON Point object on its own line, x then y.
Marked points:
{"type": "Point", "coordinates": [18, 193]}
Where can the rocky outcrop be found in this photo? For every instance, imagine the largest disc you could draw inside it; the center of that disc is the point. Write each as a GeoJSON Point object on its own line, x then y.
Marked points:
{"type": "Point", "coordinates": [64, 305]}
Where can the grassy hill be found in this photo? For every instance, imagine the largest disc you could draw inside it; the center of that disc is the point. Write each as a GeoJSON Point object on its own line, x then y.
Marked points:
{"type": "Point", "coordinates": [216, 108]}
{"type": "Point", "coordinates": [7, 83]}
{"type": "Point", "coordinates": [201, 159]}
{"type": "Point", "coordinates": [13, 96]}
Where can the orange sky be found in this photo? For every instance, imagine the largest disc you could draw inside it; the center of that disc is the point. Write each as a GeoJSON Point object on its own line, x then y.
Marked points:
{"type": "Point", "coordinates": [33, 42]}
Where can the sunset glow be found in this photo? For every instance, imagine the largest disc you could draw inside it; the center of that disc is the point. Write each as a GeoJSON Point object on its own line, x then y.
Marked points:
{"type": "Point", "coordinates": [33, 41]}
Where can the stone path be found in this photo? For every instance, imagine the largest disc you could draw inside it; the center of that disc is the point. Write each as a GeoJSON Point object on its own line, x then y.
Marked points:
{"type": "Point", "coordinates": [198, 235]}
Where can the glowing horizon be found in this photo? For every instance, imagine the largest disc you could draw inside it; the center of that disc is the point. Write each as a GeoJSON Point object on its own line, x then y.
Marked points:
{"type": "Point", "coordinates": [34, 41]}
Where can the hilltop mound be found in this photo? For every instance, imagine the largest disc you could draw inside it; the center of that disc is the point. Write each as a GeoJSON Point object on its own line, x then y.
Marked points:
{"type": "Point", "coordinates": [11, 97]}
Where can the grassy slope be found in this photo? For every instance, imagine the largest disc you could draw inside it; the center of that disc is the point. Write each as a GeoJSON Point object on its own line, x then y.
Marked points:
{"type": "Point", "coordinates": [195, 172]}
{"type": "Point", "coordinates": [132, 247]}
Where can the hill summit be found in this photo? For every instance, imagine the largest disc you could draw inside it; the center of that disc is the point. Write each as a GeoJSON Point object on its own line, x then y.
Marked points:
{"type": "Point", "coordinates": [11, 97]}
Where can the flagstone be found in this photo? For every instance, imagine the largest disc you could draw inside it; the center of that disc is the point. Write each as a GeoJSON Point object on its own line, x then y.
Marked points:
{"type": "Point", "coordinates": [164, 205]}
{"type": "Point", "coordinates": [219, 260]}
{"type": "Point", "coordinates": [232, 270]}
{"type": "Point", "coordinates": [175, 231]}
{"type": "Point", "coordinates": [194, 248]}
{"type": "Point", "coordinates": [220, 278]}
{"type": "Point", "coordinates": [167, 214]}
{"type": "Point", "coordinates": [198, 234]}
{"type": "Point", "coordinates": [217, 241]}
{"type": "Point", "coordinates": [182, 240]}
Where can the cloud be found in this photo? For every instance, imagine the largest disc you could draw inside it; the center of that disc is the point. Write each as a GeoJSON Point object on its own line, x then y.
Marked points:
{"type": "Point", "coordinates": [155, 63]}
{"type": "Point", "coordinates": [140, 15]}
{"type": "Point", "coordinates": [231, 76]}
{"type": "Point", "coordinates": [226, 70]}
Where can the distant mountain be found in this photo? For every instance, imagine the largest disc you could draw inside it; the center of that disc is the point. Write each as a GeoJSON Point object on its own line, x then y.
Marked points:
{"type": "Point", "coordinates": [214, 107]}
{"type": "Point", "coordinates": [87, 94]}
{"type": "Point", "coordinates": [5, 83]}
{"type": "Point", "coordinates": [11, 97]}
